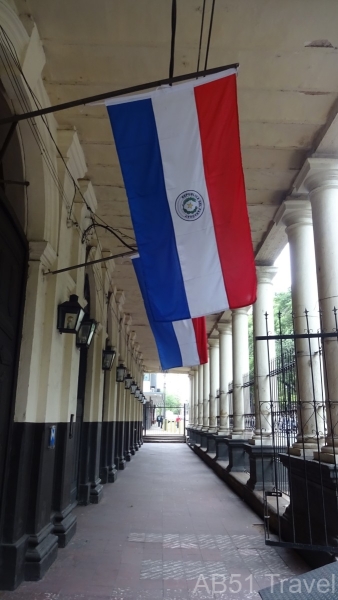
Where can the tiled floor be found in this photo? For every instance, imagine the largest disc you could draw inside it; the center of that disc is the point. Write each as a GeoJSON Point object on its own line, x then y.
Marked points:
{"type": "Point", "coordinates": [168, 528]}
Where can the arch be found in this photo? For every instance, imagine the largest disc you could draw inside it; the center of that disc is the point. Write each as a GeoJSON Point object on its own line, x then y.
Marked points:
{"type": "Point", "coordinates": [39, 211]}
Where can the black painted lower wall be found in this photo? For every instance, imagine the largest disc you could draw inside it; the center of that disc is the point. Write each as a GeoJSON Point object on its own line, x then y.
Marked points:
{"type": "Point", "coordinates": [28, 545]}
{"type": "Point", "coordinates": [108, 471]}
{"type": "Point", "coordinates": [43, 485]}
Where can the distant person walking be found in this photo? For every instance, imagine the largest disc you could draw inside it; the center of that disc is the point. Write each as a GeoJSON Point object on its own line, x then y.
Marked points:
{"type": "Point", "coordinates": [178, 421]}
{"type": "Point", "coordinates": [158, 420]}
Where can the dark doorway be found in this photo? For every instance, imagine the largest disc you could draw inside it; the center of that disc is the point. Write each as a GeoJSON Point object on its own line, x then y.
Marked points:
{"type": "Point", "coordinates": [13, 265]}
{"type": "Point", "coordinates": [81, 389]}
{"type": "Point", "coordinates": [78, 422]}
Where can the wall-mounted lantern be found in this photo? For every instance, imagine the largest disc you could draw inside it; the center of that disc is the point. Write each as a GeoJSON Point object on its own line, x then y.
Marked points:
{"type": "Point", "coordinates": [86, 331]}
{"type": "Point", "coordinates": [127, 381]}
{"type": "Point", "coordinates": [120, 373]}
{"type": "Point", "coordinates": [137, 393]}
{"type": "Point", "coordinates": [70, 315]}
{"type": "Point", "coordinates": [133, 387]}
{"type": "Point", "coordinates": [108, 356]}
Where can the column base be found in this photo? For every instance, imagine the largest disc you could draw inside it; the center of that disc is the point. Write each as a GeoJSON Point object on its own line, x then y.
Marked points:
{"type": "Point", "coordinates": [327, 454]}
{"type": "Point", "coordinates": [112, 475]}
{"type": "Point", "coordinates": [211, 443]}
{"type": "Point", "coordinates": [222, 449]}
{"type": "Point", "coordinates": [41, 552]}
{"type": "Point", "coordinates": [204, 440]}
{"type": "Point", "coordinates": [238, 458]}
{"type": "Point", "coordinates": [262, 467]}
{"type": "Point", "coordinates": [260, 441]}
{"type": "Point", "coordinates": [65, 525]}
{"type": "Point", "coordinates": [307, 449]}
{"type": "Point", "coordinates": [237, 435]}
{"type": "Point", "coordinates": [224, 432]}
{"type": "Point", "coordinates": [121, 465]}
{"type": "Point", "coordinates": [96, 492]}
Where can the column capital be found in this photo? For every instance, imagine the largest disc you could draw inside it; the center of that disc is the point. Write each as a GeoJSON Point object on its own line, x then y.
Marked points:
{"type": "Point", "coordinates": [294, 211]}
{"type": "Point", "coordinates": [265, 274]}
{"type": "Point", "coordinates": [213, 342]}
{"type": "Point", "coordinates": [317, 173]}
{"type": "Point", "coordinates": [241, 311]}
{"type": "Point", "coordinates": [224, 328]}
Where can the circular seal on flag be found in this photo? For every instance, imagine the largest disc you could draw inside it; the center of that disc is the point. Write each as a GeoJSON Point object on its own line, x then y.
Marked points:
{"type": "Point", "coordinates": [189, 205]}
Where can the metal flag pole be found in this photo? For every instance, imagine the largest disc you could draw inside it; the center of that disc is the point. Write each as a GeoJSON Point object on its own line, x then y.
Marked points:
{"type": "Point", "coordinates": [129, 90]}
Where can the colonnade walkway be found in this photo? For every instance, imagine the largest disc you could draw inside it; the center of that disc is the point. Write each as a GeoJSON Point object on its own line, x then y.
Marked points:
{"type": "Point", "coordinates": [162, 531]}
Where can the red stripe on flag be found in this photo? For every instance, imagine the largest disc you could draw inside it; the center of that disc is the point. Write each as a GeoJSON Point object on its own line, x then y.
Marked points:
{"type": "Point", "coordinates": [216, 104]}
{"type": "Point", "coordinates": [201, 338]}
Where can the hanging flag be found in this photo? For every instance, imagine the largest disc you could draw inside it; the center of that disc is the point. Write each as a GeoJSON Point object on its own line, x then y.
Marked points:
{"type": "Point", "coordinates": [179, 152]}
{"type": "Point", "coordinates": [179, 344]}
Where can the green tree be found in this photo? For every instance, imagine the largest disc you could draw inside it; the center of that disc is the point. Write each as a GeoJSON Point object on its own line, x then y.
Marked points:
{"type": "Point", "coordinates": [173, 403]}
{"type": "Point", "coordinates": [282, 304]}
{"type": "Point", "coordinates": [283, 320]}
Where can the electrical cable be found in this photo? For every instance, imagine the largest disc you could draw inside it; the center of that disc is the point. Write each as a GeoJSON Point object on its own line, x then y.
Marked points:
{"type": "Point", "coordinates": [209, 35]}
{"type": "Point", "coordinates": [108, 229]}
{"type": "Point", "coordinates": [45, 154]}
{"type": "Point", "coordinates": [38, 105]}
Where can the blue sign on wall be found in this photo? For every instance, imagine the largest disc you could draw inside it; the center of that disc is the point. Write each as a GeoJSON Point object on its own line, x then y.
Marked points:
{"type": "Point", "coordinates": [52, 436]}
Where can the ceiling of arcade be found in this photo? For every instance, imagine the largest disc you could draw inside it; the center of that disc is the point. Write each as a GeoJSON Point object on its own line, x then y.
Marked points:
{"type": "Point", "coordinates": [287, 85]}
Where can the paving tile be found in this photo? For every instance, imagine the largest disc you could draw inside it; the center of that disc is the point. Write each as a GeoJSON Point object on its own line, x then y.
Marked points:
{"type": "Point", "coordinates": [166, 524]}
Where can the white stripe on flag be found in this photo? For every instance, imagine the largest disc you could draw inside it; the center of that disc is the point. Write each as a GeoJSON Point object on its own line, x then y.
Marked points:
{"type": "Point", "coordinates": [180, 146]}
{"type": "Point", "coordinates": [186, 338]}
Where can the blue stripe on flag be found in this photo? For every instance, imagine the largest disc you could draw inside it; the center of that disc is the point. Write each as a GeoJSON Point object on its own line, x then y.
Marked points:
{"type": "Point", "coordinates": [164, 334]}
{"type": "Point", "coordinates": [137, 144]}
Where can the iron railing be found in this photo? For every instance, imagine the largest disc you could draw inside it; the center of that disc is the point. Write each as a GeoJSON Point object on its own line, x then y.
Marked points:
{"type": "Point", "coordinates": [303, 413]}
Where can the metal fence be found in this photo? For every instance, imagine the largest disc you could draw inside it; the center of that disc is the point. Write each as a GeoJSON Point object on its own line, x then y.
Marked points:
{"type": "Point", "coordinates": [303, 409]}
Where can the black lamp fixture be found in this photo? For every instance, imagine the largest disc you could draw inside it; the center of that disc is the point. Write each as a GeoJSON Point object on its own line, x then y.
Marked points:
{"type": "Point", "coordinates": [85, 333]}
{"type": "Point", "coordinates": [137, 393]}
{"type": "Point", "coordinates": [70, 315]}
{"type": "Point", "coordinates": [120, 373]}
{"type": "Point", "coordinates": [108, 355]}
{"type": "Point", "coordinates": [133, 387]}
{"type": "Point", "coordinates": [127, 381]}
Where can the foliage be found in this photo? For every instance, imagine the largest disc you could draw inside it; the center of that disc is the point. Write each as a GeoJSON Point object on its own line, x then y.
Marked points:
{"type": "Point", "coordinates": [173, 403]}
{"type": "Point", "coordinates": [284, 325]}
{"type": "Point", "coordinates": [283, 320]}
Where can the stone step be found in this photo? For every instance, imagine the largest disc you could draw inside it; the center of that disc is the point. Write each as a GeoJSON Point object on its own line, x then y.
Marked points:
{"type": "Point", "coordinates": [164, 439]}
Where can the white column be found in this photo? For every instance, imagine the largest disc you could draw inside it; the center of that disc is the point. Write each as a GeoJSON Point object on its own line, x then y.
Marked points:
{"type": "Point", "coordinates": [214, 382]}
{"type": "Point", "coordinates": [263, 321]}
{"type": "Point", "coordinates": [200, 397]}
{"type": "Point", "coordinates": [225, 373]}
{"type": "Point", "coordinates": [297, 216]}
{"type": "Point", "coordinates": [191, 401]}
{"type": "Point", "coordinates": [206, 394]}
{"type": "Point", "coordinates": [195, 396]}
{"type": "Point", "coordinates": [319, 177]}
{"type": "Point", "coordinates": [240, 351]}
